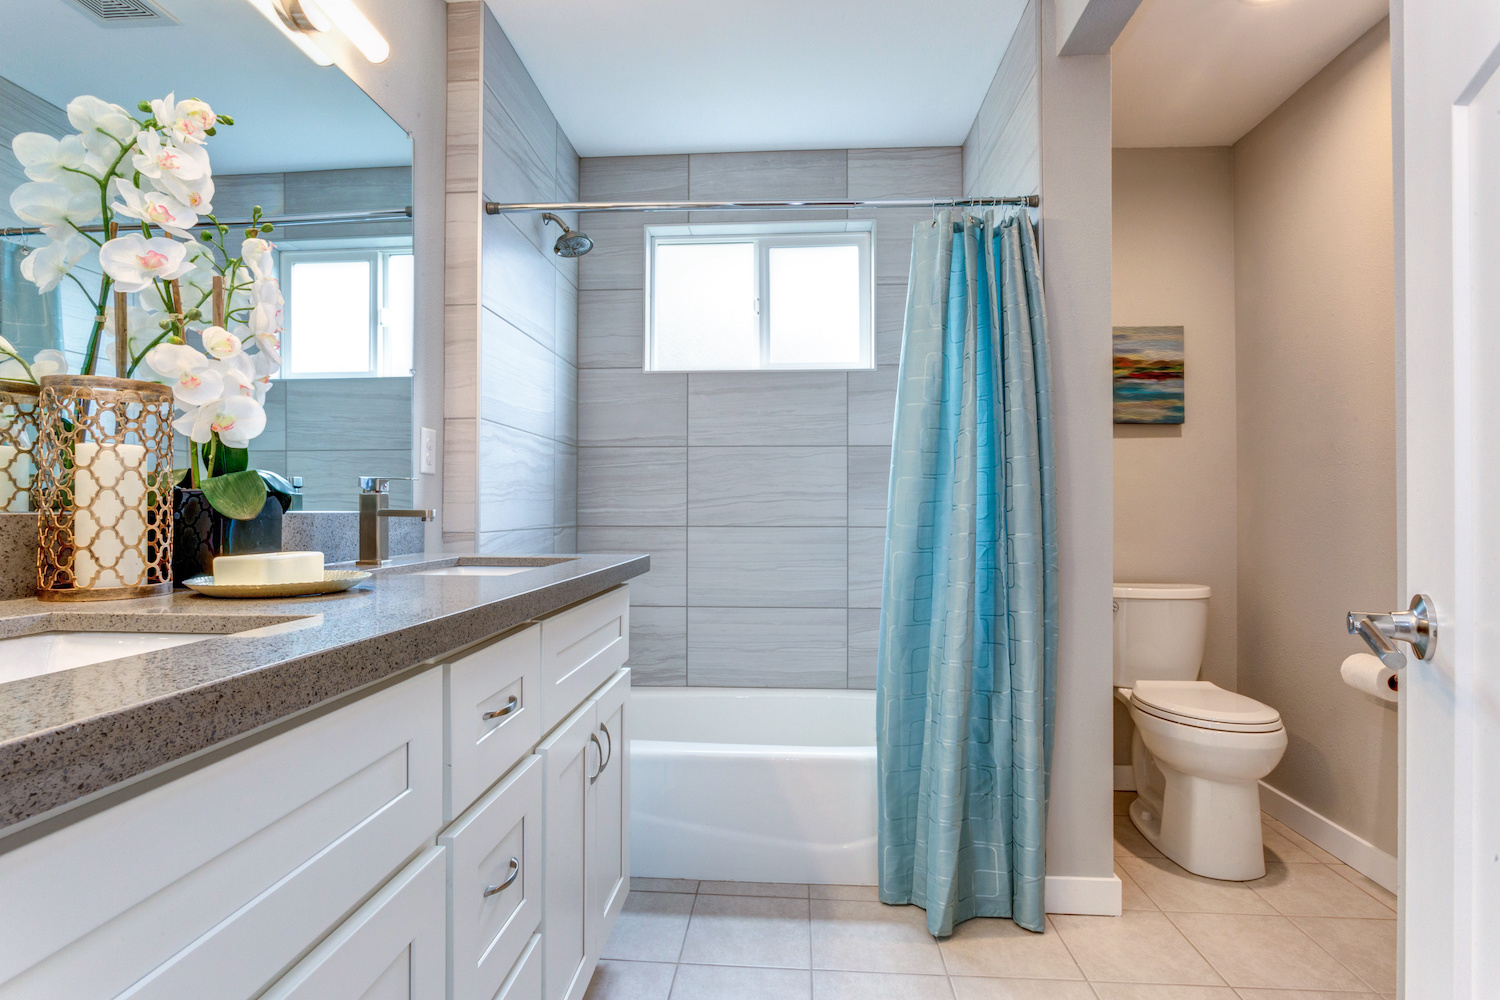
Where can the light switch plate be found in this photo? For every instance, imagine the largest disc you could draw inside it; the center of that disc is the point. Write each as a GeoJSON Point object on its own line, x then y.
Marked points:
{"type": "Point", "coordinates": [429, 451]}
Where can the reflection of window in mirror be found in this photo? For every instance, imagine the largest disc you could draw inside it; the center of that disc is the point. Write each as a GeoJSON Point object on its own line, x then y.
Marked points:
{"type": "Point", "coordinates": [348, 312]}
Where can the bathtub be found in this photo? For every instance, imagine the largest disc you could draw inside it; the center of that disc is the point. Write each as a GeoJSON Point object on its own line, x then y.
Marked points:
{"type": "Point", "coordinates": [753, 785]}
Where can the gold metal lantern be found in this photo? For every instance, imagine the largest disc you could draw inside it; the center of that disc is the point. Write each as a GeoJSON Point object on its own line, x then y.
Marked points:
{"type": "Point", "coordinates": [20, 408]}
{"type": "Point", "coordinates": [104, 489]}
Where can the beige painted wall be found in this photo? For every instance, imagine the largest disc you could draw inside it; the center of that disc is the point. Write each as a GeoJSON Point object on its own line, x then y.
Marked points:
{"type": "Point", "coordinates": [1315, 287]}
{"type": "Point", "coordinates": [1173, 265]}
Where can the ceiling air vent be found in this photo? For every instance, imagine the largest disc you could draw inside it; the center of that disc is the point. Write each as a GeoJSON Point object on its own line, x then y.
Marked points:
{"type": "Point", "coordinates": [125, 13]}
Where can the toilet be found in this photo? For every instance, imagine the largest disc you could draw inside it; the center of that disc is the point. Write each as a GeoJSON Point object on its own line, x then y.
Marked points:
{"type": "Point", "coordinates": [1199, 751]}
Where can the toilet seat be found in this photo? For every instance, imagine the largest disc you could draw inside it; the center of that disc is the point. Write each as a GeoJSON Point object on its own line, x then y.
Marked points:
{"type": "Point", "coordinates": [1204, 705]}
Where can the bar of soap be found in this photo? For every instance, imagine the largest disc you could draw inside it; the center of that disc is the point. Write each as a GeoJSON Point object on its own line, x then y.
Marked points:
{"type": "Point", "coordinates": [268, 567]}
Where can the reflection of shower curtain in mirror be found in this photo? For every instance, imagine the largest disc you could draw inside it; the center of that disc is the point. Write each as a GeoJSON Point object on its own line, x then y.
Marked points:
{"type": "Point", "coordinates": [966, 674]}
{"type": "Point", "coordinates": [29, 320]}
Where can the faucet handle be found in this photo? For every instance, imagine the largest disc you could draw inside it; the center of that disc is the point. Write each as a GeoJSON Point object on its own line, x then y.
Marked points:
{"type": "Point", "coordinates": [380, 484]}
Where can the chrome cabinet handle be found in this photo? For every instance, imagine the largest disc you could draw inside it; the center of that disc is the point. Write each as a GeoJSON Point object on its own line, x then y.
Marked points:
{"type": "Point", "coordinates": [611, 754]}
{"type": "Point", "coordinates": [515, 869]}
{"type": "Point", "coordinates": [1417, 625]}
{"type": "Point", "coordinates": [510, 706]}
{"type": "Point", "coordinates": [594, 739]}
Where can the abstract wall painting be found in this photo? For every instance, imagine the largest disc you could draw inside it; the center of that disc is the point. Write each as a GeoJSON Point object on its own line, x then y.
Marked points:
{"type": "Point", "coordinates": [1148, 375]}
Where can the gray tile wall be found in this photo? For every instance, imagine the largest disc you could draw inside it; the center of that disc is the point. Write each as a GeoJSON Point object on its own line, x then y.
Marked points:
{"type": "Point", "coordinates": [761, 496]}
{"type": "Point", "coordinates": [511, 340]}
{"type": "Point", "coordinates": [1002, 153]}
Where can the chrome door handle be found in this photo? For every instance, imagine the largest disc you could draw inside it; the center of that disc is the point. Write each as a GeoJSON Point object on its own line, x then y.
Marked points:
{"type": "Point", "coordinates": [594, 739]}
{"type": "Point", "coordinates": [515, 869]}
{"type": "Point", "coordinates": [1416, 626]}
{"type": "Point", "coordinates": [611, 755]}
{"type": "Point", "coordinates": [510, 706]}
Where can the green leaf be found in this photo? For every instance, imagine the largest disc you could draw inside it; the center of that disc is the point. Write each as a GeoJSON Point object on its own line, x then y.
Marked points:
{"type": "Point", "coordinates": [227, 460]}
{"type": "Point", "coordinates": [239, 495]}
{"type": "Point", "coordinates": [179, 476]}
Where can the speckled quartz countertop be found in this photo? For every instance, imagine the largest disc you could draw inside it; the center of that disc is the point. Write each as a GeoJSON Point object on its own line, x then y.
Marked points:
{"type": "Point", "coordinates": [68, 734]}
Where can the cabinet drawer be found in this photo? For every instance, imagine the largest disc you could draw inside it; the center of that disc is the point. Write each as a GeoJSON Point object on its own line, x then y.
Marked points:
{"type": "Point", "coordinates": [497, 841]}
{"type": "Point", "coordinates": [493, 700]}
{"type": "Point", "coordinates": [210, 885]}
{"type": "Point", "coordinates": [581, 647]}
{"type": "Point", "coordinates": [389, 949]}
{"type": "Point", "coordinates": [525, 980]}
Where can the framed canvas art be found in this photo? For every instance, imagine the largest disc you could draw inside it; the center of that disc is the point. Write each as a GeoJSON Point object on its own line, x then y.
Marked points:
{"type": "Point", "coordinates": [1148, 375]}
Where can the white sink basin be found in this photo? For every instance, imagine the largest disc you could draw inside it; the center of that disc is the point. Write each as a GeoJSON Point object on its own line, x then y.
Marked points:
{"type": "Point", "coordinates": [48, 652]}
{"type": "Point", "coordinates": [476, 570]}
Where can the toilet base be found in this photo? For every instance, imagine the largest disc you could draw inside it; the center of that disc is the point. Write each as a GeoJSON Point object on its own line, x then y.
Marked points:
{"type": "Point", "coordinates": [1210, 828]}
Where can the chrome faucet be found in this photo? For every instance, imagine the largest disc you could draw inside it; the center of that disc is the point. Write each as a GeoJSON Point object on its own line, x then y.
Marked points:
{"type": "Point", "coordinates": [374, 530]}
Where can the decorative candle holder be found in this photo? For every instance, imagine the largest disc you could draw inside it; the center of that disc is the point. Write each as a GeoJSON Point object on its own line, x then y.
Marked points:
{"type": "Point", "coordinates": [104, 489]}
{"type": "Point", "coordinates": [20, 408]}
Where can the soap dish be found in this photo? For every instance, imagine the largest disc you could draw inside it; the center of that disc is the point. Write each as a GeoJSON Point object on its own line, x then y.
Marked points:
{"type": "Point", "coordinates": [334, 580]}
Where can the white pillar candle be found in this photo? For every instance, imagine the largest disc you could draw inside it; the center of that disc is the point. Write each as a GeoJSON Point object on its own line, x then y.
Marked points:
{"type": "Point", "coordinates": [109, 521]}
{"type": "Point", "coordinates": [15, 479]}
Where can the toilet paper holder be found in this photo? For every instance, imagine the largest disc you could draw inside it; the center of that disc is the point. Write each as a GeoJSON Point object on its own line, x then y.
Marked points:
{"type": "Point", "coordinates": [1417, 626]}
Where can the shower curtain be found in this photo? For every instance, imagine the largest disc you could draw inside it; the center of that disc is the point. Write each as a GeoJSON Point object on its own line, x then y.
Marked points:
{"type": "Point", "coordinates": [966, 675]}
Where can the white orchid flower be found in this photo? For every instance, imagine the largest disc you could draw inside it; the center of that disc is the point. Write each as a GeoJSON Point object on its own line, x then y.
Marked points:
{"type": "Point", "coordinates": [267, 291]}
{"type": "Point", "coordinates": [51, 203]}
{"type": "Point", "coordinates": [106, 128]}
{"type": "Point", "coordinates": [13, 370]}
{"type": "Point", "coordinates": [188, 121]}
{"type": "Point", "coordinates": [236, 419]}
{"type": "Point", "coordinates": [195, 424]}
{"type": "Point", "coordinates": [47, 266]}
{"type": "Point", "coordinates": [197, 194]}
{"type": "Point", "coordinates": [173, 360]}
{"type": "Point", "coordinates": [269, 343]}
{"type": "Point", "coordinates": [158, 159]}
{"type": "Point", "coordinates": [256, 253]}
{"type": "Point", "coordinates": [134, 261]}
{"type": "Point", "coordinates": [220, 343]}
{"type": "Point", "coordinates": [49, 362]}
{"type": "Point", "coordinates": [265, 367]}
{"type": "Point", "coordinates": [155, 207]}
{"type": "Point", "coordinates": [197, 387]}
{"type": "Point", "coordinates": [49, 159]}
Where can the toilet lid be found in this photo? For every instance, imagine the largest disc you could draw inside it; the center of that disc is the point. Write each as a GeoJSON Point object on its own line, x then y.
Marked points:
{"type": "Point", "coordinates": [1203, 703]}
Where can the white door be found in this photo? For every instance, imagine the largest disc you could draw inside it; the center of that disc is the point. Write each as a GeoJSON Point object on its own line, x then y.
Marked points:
{"type": "Point", "coordinates": [609, 865]}
{"type": "Point", "coordinates": [1447, 91]}
{"type": "Point", "coordinates": [571, 757]}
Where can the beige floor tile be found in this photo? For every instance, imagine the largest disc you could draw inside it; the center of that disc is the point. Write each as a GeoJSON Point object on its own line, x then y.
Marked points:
{"type": "Point", "coordinates": [1366, 947]}
{"type": "Point", "coordinates": [1140, 991]}
{"type": "Point", "coordinates": [884, 985]}
{"type": "Point", "coordinates": [1305, 995]}
{"type": "Point", "coordinates": [991, 947]}
{"type": "Point", "coordinates": [663, 884]}
{"type": "Point", "coordinates": [1122, 803]}
{"type": "Point", "coordinates": [631, 981]}
{"type": "Point", "coordinates": [1138, 946]}
{"type": "Point", "coordinates": [1172, 888]}
{"type": "Point", "coordinates": [1318, 854]}
{"type": "Point", "coordinates": [789, 890]}
{"type": "Point", "coordinates": [1279, 848]}
{"type": "Point", "coordinates": [1261, 951]}
{"type": "Point", "coordinates": [869, 893]}
{"type": "Point", "coordinates": [1132, 896]}
{"type": "Point", "coordinates": [721, 982]}
{"type": "Point", "coordinates": [969, 988]}
{"type": "Point", "coordinates": [1366, 883]}
{"type": "Point", "coordinates": [856, 936]}
{"type": "Point", "coordinates": [650, 928]}
{"type": "Point", "coordinates": [748, 930]}
{"type": "Point", "coordinates": [1129, 843]}
{"type": "Point", "coordinates": [1316, 891]}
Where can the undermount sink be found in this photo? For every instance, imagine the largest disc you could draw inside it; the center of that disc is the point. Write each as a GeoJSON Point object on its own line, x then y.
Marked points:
{"type": "Point", "coordinates": [48, 652]}
{"type": "Point", "coordinates": [476, 570]}
{"type": "Point", "coordinates": [494, 565]}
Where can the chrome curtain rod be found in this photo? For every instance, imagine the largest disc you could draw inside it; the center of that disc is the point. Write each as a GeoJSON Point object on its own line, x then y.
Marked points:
{"type": "Point", "coordinates": [498, 208]}
{"type": "Point", "coordinates": [311, 218]}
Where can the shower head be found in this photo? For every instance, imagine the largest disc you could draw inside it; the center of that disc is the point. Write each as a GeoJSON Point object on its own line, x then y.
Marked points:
{"type": "Point", "coordinates": [571, 243]}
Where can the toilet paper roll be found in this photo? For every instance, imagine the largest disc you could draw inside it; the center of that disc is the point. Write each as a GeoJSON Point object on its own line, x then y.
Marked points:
{"type": "Point", "coordinates": [1366, 673]}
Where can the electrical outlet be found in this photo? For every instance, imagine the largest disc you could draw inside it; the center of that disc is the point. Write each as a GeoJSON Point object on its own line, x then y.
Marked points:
{"type": "Point", "coordinates": [429, 451]}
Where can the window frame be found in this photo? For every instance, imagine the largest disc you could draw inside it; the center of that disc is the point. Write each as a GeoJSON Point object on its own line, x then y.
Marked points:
{"type": "Point", "coordinates": [766, 237]}
{"type": "Point", "coordinates": [377, 258]}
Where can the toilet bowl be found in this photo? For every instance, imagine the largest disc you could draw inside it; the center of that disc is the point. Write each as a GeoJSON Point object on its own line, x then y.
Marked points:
{"type": "Point", "coordinates": [1199, 751]}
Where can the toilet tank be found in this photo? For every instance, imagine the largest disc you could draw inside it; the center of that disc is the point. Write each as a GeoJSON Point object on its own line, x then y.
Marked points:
{"type": "Point", "coordinates": [1159, 631]}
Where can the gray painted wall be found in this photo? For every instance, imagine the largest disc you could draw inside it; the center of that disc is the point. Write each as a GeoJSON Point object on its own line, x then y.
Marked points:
{"type": "Point", "coordinates": [761, 496]}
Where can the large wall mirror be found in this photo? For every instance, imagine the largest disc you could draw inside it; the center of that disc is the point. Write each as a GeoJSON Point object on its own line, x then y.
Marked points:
{"type": "Point", "coordinates": [324, 163]}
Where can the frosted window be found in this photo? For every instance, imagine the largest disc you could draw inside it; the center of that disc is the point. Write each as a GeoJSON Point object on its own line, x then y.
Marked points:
{"type": "Point", "coordinates": [397, 316]}
{"type": "Point", "coordinates": [814, 305]}
{"type": "Point", "coordinates": [705, 307]}
{"type": "Point", "coordinates": [330, 317]}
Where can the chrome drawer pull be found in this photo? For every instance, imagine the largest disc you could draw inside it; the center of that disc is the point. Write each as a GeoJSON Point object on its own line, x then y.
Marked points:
{"type": "Point", "coordinates": [594, 739]}
{"type": "Point", "coordinates": [510, 706]}
{"type": "Point", "coordinates": [611, 755]}
{"type": "Point", "coordinates": [515, 869]}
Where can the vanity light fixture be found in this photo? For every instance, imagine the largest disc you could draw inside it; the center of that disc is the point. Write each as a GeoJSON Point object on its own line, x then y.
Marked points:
{"type": "Point", "coordinates": [349, 19]}
{"type": "Point", "coordinates": [271, 10]}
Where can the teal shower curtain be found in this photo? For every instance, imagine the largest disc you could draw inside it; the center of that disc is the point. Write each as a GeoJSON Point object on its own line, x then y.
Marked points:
{"type": "Point", "coordinates": [966, 676]}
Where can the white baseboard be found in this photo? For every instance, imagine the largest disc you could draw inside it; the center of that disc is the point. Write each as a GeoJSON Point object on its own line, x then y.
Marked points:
{"type": "Point", "coordinates": [1081, 894]}
{"type": "Point", "coordinates": [1352, 849]}
{"type": "Point", "coordinates": [1124, 778]}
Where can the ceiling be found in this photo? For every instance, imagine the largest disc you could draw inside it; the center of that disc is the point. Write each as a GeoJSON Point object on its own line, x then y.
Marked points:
{"type": "Point", "coordinates": [683, 76]}
{"type": "Point", "coordinates": [289, 113]}
{"type": "Point", "coordinates": [1205, 72]}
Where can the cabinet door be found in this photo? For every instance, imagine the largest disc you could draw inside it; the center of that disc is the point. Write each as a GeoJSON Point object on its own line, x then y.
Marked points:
{"type": "Point", "coordinates": [571, 761]}
{"type": "Point", "coordinates": [581, 647]}
{"type": "Point", "coordinates": [391, 948]}
{"type": "Point", "coordinates": [609, 864]}
{"type": "Point", "coordinates": [495, 882]}
{"type": "Point", "coordinates": [493, 701]}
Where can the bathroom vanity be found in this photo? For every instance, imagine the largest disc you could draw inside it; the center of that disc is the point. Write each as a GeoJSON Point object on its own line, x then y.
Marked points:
{"type": "Point", "coordinates": [419, 789]}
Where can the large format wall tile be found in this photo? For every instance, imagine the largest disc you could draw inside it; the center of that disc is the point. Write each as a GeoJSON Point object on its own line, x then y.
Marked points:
{"type": "Point", "coordinates": [767, 567]}
{"type": "Point", "coordinates": [507, 78]}
{"type": "Point", "coordinates": [765, 408]}
{"type": "Point", "coordinates": [872, 406]}
{"type": "Point", "coordinates": [354, 413]}
{"type": "Point", "coordinates": [516, 282]}
{"type": "Point", "coordinates": [767, 647]}
{"type": "Point", "coordinates": [635, 178]}
{"type": "Point", "coordinates": [564, 401]}
{"type": "Point", "coordinates": [767, 486]}
{"type": "Point", "coordinates": [864, 643]}
{"type": "Point", "coordinates": [893, 232]}
{"type": "Point", "coordinates": [521, 542]}
{"type": "Point", "coordinates": [611, 328]}
{"type": "Point", "coordinates": [914, 172]}
{"type": "Point", "coordinates": [658, 645]}
{"type": "Point", "coordinates": [515, 479]}
{"type": "Point", "coordinates": [627, 407]}
{"type": "Point", "coordinates": [565, 486]}
{"type": "Point", "coordinates": [618, 259]}
{"type": "Point", "coordinates": [632, 486]}
{"type": "Point", "coordinates": [515, 171]}
{"type": "Point", "coordinates": [799, 173]}
{"type": "Point", "coordinates": [517, 381]}
{"type": "Point", "coordinates": [332, 477]}
{"type": "Point", "coordinates": [666, 584]}
{"type": "Point", "coordinates": [866, 565]}
{"type": "Point", "coordinates": [890, 321]}
{"type": "Point", "coordinates": [869, 486]}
